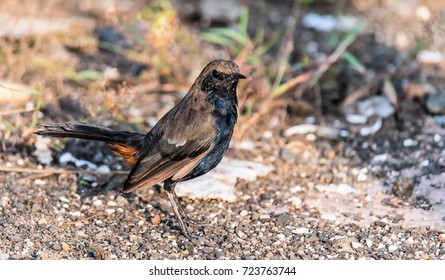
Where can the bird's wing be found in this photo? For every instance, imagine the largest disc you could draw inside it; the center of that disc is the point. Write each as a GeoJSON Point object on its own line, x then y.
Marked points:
{"type": "Point", "coordinates": [177, 147]}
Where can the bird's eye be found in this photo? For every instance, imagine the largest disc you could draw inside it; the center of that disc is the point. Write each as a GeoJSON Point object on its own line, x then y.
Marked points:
{"type": "Point", "coordinates": [216, 74]}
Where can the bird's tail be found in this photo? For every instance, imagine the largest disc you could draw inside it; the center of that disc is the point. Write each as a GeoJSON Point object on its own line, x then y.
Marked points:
{"type": "Point", "coordinates": [125, 144]}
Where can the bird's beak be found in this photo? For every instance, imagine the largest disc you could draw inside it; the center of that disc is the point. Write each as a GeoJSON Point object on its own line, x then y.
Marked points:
{"type": "Point", "coordinates": [238, 76]}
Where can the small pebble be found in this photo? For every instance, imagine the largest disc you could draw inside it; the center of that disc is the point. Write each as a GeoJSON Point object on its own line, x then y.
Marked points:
{"type": "Point", "coordinates": [110, 211]}
{"type": "Point", "coordinates": [301, 230]}
{"type": "Point", "coordinates": [99, 222]}
{"type": "Point", "coordinates": [356, 245]}
{"type": "Point", "coordinates": [97, 203]}
{"type": "Point", "coordinates": [42, 221]}
{"type": "Point", "coordinates": [296, 201]}
{"type": "Point", "coordinates": [409, 142]}
{"type": "Point", "coordinates": [362, 177]}
{"type": "Point", "coordinates": [111, 203]}
{"type": "Point", "coordinates": [264, 217]}
{"type": "Point", "coordinates": [329, 217]}
{"type": "Point", "coordinates": [65, 247]}
{"type": "Point", "coordinates": [156, 219]}
{"type": "Point", "coordinates": [39, 182]}
{"type": "Point", "coordinates": [281, 236]}
{"type": "Point", "coordinates": [244, 213]}
{"type": "Point", "coordinates": [75, 214]}
{"type": "Point", "coordinates": [63, 199]}
{"type": "Point", "coordinates": [369, 243]}
{"type": "Point", "coordinates": [392, 248]}
{"type": "Point", "coordinates": [241, 234]}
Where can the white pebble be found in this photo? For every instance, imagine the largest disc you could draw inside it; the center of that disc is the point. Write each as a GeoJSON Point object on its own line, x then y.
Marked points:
{"type": "Point", "coordinates": [264, 217]}
{"type": "Point", "coordinates": [63, 199]}
{"type": "Point", "coordinates": [437, 138]}
{"type": "Point", "coordinates": [110, 211]}
{"type": "Point", "coordinates": [97, 203]}
{"type": "Point", "coordinates": [267, 134]}
{"type": "Point", "coordinates": [244, 213]}
{"type": "Point", "coordinates": [140, 223]}
{"type": "Point", "coordinates": [99, 222]}
{"type": "Point", "coordinates": [356, 119]}
{"type": "Point", "coordinates": [111, 203]}
{"type": "Point", "coordinates": [409, 142]}
{"type": "Point", "coordinates": [430, 57]}
{"type": "Point", "coordinates": [241, 235]}
{"type": "Point", "coordinates": [369, 243]}
{"type": "Point", "coordinates": [362, 177]}
{"type": "Point", "coordinates": [392, 248]}
{"type": "Point", "coordinates": [300, 129]}
{"type": "Point", "coordinates": [301, 230]}
{"type": "Point", "coordinates": [423, 13]}
{"type": "Point", "coordinates": [311, 137]}
{"type": "Point", "coordinates": [75, 214]}
{"type": "Point", "coordinates": [104, 169]}
{"type": "Point", "coordinates": [295, 201]}
{"type": "Point", "coordinates": [356, 245]}
{"type": "Point", "coordinates": [341, 188]}
{"type": "Point", "coordinates": [39, 182]}
{"type": "Point", "coordinates": [380, 158]}
{"type": "Point", "coordinates": [281, 236]}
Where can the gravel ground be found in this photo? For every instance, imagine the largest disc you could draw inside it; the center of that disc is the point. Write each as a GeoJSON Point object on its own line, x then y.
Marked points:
{"type": "Point", "coordinates": [289, 214]}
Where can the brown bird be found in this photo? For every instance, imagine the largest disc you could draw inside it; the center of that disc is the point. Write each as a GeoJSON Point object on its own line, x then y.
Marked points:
{"type": "Point", "coordinates": [187, 142]}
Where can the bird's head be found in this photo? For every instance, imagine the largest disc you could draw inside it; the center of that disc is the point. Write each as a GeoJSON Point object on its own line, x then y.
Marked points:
{"type": "Point", "coordinates": [220, 77]}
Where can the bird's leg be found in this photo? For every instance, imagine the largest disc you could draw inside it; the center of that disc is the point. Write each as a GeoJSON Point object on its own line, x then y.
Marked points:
{"type": "Point", "coordinates": [169, 188]}
{"type": "Point", "coordinates": [188, 220]}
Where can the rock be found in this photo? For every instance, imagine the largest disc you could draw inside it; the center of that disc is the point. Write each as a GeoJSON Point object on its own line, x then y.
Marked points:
{"type": "Point", "coordinates": [324, 23]}
{"type": "Point", "coordinates": [428, 57]}
{"type": "Point", "coordinates": [409, 143]}
{"type": "Point", "coordinates": [369, 243]}
{"type": "Point", "coordinates": [220, 182]}
{"type": "Point", "coordinates": [156, 219]}
{"type": "Point", "coordinates": [42, 152]}
{"type": "Point", "coordinates": [392, 248]}
{"type": "Point", "coordinates": [343, 189]}
{"type": "Point", "coordinates": [356, 245]}
{"type": "Point", "coordinates": [97, 203]}
{"type": "Point", "coordinates": [329, 217]}
{"type": "Point", "coordinates": [65, 247]}
{"type": "Point", "coordinates": [435, 103]}
{"type": "Point", "coordinates": [75, 214]}
{"type": "Point", "coordinates": [110, 211]}
{"type": "Point", "coordinates": [301, 230]}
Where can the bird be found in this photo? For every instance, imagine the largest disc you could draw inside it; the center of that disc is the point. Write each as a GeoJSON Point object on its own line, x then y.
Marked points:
{"type": "Point", "coordinates": [187, 142]}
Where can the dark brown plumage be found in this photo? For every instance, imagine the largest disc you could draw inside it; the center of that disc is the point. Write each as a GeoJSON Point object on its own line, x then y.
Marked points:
{"type": "Point", "coordinates": [187, 142]}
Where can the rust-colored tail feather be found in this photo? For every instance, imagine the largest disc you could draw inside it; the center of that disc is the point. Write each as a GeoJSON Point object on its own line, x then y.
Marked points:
{"type": "Point", "coordinates": [123, 143]}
